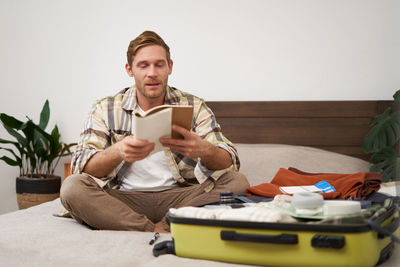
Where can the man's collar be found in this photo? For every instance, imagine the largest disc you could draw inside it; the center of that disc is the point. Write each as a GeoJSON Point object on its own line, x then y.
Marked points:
{"type": "Point", "coordinates": [171, 98]}
{"type": "Point", "coordinates": [129, 100]}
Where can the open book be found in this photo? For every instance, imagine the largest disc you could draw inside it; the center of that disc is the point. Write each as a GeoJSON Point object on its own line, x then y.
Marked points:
{"type": "Point", "coordinates": [157, 122]}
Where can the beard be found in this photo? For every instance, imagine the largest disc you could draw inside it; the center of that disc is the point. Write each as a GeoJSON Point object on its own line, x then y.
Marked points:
{"type": "Point", "coordinates": [152, 93]}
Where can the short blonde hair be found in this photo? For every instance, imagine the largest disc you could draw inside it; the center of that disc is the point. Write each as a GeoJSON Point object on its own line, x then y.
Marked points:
{"type": "Point", "coordinates": [144, 39]}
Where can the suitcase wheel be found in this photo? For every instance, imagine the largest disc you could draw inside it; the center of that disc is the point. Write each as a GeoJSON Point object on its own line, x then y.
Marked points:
{"type": "Point", "coordinates": [165, 247]}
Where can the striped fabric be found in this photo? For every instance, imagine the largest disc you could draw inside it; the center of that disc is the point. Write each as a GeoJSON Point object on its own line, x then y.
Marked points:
{"type": "Point", "coordinates": [110, 120]}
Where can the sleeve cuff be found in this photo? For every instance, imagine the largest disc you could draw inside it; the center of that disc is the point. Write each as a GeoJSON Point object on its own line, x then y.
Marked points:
{"type": "Point", "coordinates": [202, 173]}
{"type": "Point", "coordinates": [80, 162]}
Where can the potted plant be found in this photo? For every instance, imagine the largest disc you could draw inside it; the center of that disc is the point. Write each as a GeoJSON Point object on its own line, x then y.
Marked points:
{"type": "Point", "coordinates": [382, 142]}
{"type": "Point", "coordinates": [36, 153]}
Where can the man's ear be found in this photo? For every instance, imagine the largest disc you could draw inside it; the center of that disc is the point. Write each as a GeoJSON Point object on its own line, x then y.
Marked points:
{"type": "Point", "coordinates": [129, 70]}
{"type": "Point", "coordinates": [171, 63]}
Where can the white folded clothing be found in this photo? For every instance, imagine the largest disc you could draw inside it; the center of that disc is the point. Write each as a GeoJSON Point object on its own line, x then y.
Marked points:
{"type": "Point", "coordinates": [252, 213]}
{"type": "Point", "coordinates": [256, 214]}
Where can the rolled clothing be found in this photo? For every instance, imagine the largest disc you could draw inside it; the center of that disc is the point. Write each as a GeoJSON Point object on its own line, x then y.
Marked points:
{"type": "Point", "coordinates": [356, 185]}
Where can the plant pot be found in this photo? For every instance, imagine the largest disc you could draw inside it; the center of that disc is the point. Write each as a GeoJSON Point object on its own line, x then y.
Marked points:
{"type": "Point", "coordinates": [34, 191]}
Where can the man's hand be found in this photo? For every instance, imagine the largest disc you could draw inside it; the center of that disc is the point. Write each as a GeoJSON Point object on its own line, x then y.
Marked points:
{"type": "Point", "coordinates": [132, 149]}
{"type": "Point", "coordinates": [192, 146]}
{"type": "Point", "coordinates": [129, 149]}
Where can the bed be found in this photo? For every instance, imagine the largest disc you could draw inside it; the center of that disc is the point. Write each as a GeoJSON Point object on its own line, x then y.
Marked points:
{"type": "Point", "coordinates": [312, 136]}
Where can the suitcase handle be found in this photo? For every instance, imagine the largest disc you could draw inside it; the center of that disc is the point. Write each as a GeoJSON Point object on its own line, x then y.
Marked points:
{"type": "Point", "coordinates": [393, 225]}
{"type": "Point", "coordinates": [258, 238]}
{"type": "Point", "coordinates": [387, 230]}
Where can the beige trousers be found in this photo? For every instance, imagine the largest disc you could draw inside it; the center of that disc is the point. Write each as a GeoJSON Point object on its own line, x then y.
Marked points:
{"type": "Point", "coordinates": [110, 209]}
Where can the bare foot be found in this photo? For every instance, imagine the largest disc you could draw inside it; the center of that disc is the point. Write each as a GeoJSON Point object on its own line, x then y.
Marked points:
{"type": "Point", "coordinates": [158, 227]}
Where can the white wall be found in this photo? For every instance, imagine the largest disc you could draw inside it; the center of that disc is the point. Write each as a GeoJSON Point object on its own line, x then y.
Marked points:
{"type": "Point", "coordinates": [73, 52]}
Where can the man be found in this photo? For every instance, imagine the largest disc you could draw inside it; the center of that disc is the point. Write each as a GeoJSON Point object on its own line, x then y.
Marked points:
{"type": "Point", "coordinates": [116, 183]}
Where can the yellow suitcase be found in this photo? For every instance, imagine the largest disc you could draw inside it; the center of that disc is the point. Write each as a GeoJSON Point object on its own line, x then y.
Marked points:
{"type": "Point", "coordinates": [284, 244]}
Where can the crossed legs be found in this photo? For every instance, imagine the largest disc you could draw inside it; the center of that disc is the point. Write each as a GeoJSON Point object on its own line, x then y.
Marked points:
{"type": "Point", "coordinates": [111, 209]}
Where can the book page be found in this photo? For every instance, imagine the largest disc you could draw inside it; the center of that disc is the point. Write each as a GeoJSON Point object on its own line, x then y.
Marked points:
{"type": "Point", "coordinates": [153, 127]}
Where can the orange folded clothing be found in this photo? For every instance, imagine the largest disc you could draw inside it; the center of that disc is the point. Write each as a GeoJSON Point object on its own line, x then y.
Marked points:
{"type": "Point", "coordinates": [357, 185]}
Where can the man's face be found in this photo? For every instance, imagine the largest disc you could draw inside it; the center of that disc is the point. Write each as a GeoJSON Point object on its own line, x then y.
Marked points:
{"type": "Point", "coordinates": [150, 70]}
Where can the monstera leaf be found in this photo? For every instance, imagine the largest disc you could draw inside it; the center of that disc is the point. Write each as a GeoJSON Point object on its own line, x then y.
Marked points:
{"type": "Point", "coordinates": [388, 163]}
{"type": "Point", "coordinates": [382, 141]}
{"type": "Point", "coordinates": [385, 131]}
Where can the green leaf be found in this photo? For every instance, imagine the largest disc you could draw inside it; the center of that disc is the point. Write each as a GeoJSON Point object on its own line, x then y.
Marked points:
{"type": "Point", "coordinates": [42, 132]}
{"type": "Point", "coordinates": [378, 157]}
{"type": "Point", "coordinates": [28, 129]}
{"type": "Point", "coordinates": [385, 132]}
{"type": "Point", "coordinates": [397, 169]}
{"type": "Point", "coordinates": [11, 151]}
{"type": "Point", "coordinates": [23, 141]}
{"type": "Point", "coordinates": [17, 146]}
{"type": "Point", "coordinates": [10, 121]}
{"type": "Point", "coordinates": [386, 175]}
{"type": "Point", "coordinates": [44, 115]}
{"type": "Point", "coordinates": [388, 163]}
{"type": "Point", "coordinates": [17, 159]}
{"type": "Point", "coordinates": [56, 139]}
{"type": "Point", "coordinates": [391, 136]}
{"type": "Point", "coordinates": [3, 141]}
{"type": "Point", "coordinates": [37, 147]}
{"type": "Point", "coordinates": [40, 148]}
{"type": "Point", "coordinates": [379, 117]}
{"type": "Point", "coordinates": [396, 97]}
{"type": "Point", "coordinates": [55, 133]}
{"type": "Point", "coordinates": [377, 167]}
{"type": "Point", "coordinates": [10, 161]}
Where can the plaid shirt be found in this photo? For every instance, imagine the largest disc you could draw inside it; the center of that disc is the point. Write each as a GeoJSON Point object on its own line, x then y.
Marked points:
{"type": "Point", "coordinates": [110, 120]}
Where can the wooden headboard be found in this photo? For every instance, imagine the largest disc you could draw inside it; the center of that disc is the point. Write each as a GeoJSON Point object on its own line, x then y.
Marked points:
{"type": "Point", "coordinates": [338, 126]}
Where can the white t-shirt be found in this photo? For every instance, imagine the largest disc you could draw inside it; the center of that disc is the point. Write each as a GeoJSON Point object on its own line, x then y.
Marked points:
{"type": "Point", "coordinates": [149, 174]}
